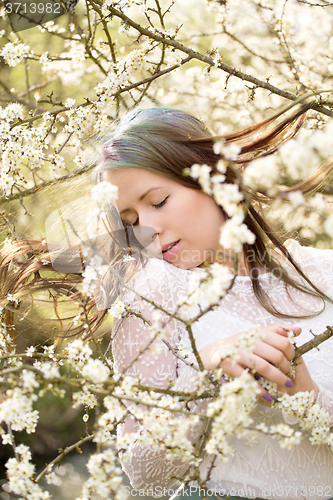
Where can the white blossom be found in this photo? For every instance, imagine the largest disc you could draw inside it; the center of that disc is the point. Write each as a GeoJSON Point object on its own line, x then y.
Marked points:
{"type": "Point", "coordinates": [128, 258]}
{"type": "Point", "coordinates": [117, 309]}
{"type": "Point", "coordinates": [20, 476]}
{"type": "Point", "coordinates": [29, 380]}
{"type": "Point", "coordinates": [84, 398]}
{"type": "Point", "coordinates": [296, 198]}
{"type": "Point", "coordinates": [227, 151]}
{"type": "Point", "coordinates": [6, 439]}
{"type": "Point", "coordinates": [13, 53]}
{"type": "Point", "coordinates": [105, 480]}
{"type": "Point", "coordinates": [78, 352]}
{"type": "Point", "coordinates": [50, 370]}
{"type": "Point", "coordinates": [12, 298]}
{"type": "Point", "coordinates": [228, 196]}
{"type": "Point", "coordinates": [299, 158]}
{"type": "Point", "coordinates": [207, 286]}
{"type": "Point", "coordinates": [261, 173]}
{"type": "Point", "coordinates": [17, 411]}
{"type": "Point", "coordinates": [93, 218]}
{"type": "Point", "coordinates": [235, 233]}
{"type": "Point", "coordinates": [328, 225]}
{"type": "Point", "coordinates": [202, 173]}
{"type": "Point", "coordinates": [231, 413]}
{"type": "Point", "coordinates": [321, 141]}
{"type": "Point", "coordinates": [96, 371]}
{"type": "Point", "coordinates": [90, 277]}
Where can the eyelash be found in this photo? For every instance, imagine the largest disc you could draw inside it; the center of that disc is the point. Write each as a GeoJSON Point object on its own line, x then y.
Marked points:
{"type": "Point", "coordinates": [155, 206]}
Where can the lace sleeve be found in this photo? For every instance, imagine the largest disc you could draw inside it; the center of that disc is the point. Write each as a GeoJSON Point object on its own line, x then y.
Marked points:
{"type": "Point", "coordinates": [325, 400]}
{"type": "Point", "coordinates": [318, 266]}
{"type": "Point", "coordinates": [316, 263]}
{"type": "Point", "coordinates": [147, 468]}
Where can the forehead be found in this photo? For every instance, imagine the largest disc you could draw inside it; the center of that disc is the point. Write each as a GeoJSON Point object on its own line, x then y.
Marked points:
{"type": "Point", "coordinates": [134, 181]}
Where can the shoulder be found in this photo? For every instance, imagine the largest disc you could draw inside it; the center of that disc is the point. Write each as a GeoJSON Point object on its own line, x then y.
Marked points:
{"type": "Point", "coordinates": [305, 254]}
{"type": "Point", "coordinates": [316, 263]}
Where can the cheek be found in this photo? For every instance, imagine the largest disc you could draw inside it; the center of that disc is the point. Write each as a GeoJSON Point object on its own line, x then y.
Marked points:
{"type": "Point", "coordinates": [207, 212]}
{"type": "Point", "coordinates": [203, 219]}
{"type": "Point", "coordinates": [210, 223]}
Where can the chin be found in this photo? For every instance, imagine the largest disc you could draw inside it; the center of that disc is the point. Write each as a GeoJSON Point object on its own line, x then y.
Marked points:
{"type": "Point", "coordinates": [183, 265]}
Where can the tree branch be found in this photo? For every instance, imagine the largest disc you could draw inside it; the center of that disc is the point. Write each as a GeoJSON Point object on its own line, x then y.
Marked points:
{"type": "Point", "coordinates": [45, 184]}
{"type": "Point", "coordinates": [315, 342]}
{"type": "Point", "coordinates": [208, 60]}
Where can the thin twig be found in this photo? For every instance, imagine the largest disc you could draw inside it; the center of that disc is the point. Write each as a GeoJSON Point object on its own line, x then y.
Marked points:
{"type": "Point", "coordinates": [62, 455]}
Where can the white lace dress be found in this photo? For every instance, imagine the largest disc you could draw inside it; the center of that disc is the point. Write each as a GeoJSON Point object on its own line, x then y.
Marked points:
{"type": "Point", "coordinates": [256, 469]}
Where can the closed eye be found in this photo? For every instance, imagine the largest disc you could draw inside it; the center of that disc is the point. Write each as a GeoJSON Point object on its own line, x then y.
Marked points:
{"type": "Point", "coordinates": [155, 206]}
{"type": "Point", "coordinates": [162, 203]}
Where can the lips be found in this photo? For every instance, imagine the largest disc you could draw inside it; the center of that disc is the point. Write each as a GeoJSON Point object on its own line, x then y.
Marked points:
{"type": "Point", "coordinates": [169, 251]}
{"type": "Point", "coordinates": [165, 248]}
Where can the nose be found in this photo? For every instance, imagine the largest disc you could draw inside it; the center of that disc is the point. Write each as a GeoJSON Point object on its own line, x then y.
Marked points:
{"type": "Point", "coordinates": [150, 219]}
{"type": "Point", "coordinates": [145, 235]}
{"type": "Point", "coordinates": [150, 228]}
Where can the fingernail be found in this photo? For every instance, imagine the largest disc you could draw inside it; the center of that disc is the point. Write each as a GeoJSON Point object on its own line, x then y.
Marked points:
{"type": "Point", "coordinates": [268, 397]}
{"type": "Point", "coordinates": [289, 383]}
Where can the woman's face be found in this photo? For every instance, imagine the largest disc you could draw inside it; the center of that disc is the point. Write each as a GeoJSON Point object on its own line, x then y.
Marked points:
{"type": "Point", "coordinates": [177, 214]}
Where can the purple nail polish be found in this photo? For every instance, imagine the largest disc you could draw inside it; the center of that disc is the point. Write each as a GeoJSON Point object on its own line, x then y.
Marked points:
{"type": "Point", "coordinates": [268, 397]}
{"type": "Point", "coordinates": [289, 383]}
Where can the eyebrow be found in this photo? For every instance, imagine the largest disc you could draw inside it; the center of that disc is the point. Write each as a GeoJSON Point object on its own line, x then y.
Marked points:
{"type": "Point", "coordinates": [141, 198]}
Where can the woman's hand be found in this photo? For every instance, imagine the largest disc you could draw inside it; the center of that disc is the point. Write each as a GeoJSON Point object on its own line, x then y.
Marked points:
{"type": "Point", "coordinates": [270, 359]}
{"type": "Point", "coordinates": [302, 380]}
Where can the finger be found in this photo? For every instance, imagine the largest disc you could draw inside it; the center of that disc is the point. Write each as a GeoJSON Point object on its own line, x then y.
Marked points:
{"type": "Point", "coordinates": [280, 343]}
{"type": "Point", "coordinates": [266, 400]}
{"type": "Point", "coordinates": [266, 369]}
{"type": "Point", "coordinates": [284, 330]}
{"type": "Point", "coordinates": [231, 368]}
{"type": "Point", "coordinates": [274, 355]}
{"type": "Point", "coordinates": [236, 370]}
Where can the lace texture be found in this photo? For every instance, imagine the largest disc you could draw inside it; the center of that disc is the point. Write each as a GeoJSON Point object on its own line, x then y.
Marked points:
{"type": "Point", "coordinates": [325, 400]}
{"type": "Point", "coordinates": [257, 468]}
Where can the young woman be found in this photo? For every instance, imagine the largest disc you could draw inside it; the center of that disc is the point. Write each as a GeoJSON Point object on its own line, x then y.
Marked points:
{"type": "Point", "coordinates": [278, 287]}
